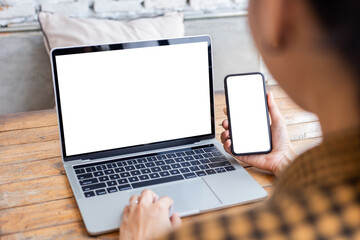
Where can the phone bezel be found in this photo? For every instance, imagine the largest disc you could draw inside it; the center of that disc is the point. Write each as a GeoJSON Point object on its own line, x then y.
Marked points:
{"type": "Point", "coordinates": [266, 108]}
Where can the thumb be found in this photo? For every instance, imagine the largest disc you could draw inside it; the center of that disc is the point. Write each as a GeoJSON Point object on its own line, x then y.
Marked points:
{"type": "Point", "coordinates": [176, 220]}
{"type": "Point", "coordinates": [225, 110]}
{"type": "Point", "coordinates": [274, 109]}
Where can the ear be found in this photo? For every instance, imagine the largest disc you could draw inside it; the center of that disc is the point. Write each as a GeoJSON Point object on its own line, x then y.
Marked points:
{"type": "Point", "coordinates": [273, 22]}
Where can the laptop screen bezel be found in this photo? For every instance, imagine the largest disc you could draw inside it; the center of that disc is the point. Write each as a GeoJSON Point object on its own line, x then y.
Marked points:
{"type": "Point", "coordinates": [129, 45]}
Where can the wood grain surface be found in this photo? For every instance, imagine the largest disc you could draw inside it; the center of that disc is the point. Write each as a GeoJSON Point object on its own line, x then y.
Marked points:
{"type": "Point", "coordinates": [36, 201]}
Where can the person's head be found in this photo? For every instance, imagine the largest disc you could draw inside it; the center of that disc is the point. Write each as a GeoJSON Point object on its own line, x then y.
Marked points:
{"type": "Point", "coordinates": [309, 46]}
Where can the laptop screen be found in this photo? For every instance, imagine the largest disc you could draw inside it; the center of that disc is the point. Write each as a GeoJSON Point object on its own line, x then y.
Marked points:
{"type": "Point", "coordinates": [133, 96]}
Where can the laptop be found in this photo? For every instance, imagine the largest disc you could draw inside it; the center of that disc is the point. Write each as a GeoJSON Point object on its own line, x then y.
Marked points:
{"type": "Point", "coordinates": [141, 115]}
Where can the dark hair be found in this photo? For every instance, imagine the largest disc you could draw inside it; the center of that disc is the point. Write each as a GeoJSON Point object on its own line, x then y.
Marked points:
{"type": "Point", "coordinates": [341, 21]}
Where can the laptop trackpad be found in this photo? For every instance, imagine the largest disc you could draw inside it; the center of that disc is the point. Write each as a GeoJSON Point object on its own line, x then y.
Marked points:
{"type": "Point", "coordinates": [189, 196]}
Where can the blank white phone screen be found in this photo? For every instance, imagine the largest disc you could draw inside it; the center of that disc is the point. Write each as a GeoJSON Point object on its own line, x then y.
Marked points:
{"type": "Point", "coordinates": [120, 98]}
{"type": "Point", "coordinates": [248, 114]}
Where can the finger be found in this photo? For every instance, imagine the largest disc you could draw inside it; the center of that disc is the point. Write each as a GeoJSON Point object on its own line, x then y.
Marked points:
{"type": "Point", "coordinates": [134, 199]}
{"type": "Point", "coordinates": [225, 124]}
{"type": "Point", "coordinates": [227, 146]}
{"type": "Point", "coordinates": [165, 202]}
{"type": "Point", "coordinates": [148, 196]}
{"type": "Point", "coordinates": [126, 211]}
{"type": "Point", "coordinates": [175, 220]}
{"type": "Point", "coordinates": [225, 110]}
{"type": "Point", "coordinates": [274, 109]}
{"type": "Point", "coordinates": [225, 136]}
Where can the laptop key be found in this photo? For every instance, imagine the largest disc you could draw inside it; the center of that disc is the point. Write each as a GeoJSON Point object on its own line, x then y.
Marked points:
{"type": "Point", "coordinates": [154, 175]}
{"type": "Point", "coordinates": [104, 178]}
{"type": "Point", "coordinates": [89, 194]}
{"type": "Point", "coordinates": [205, 161]}
{"type": "Point", "coordinates": [111, 165]}
{"type": "Point", "coordinates": [155, 169]}
{"type": "Point", "coordinates": [180, 154]}
{"type": "Point", "coordinates": [111, 190]}
{"type": "Point", "coordinates": [150, 164]}
{"type": "Point", "coordinates": [124, 174]}
{"type": "Point", "coordinates": [194, 168]}
{"type": "Point", "coordinates": [129, 168]}
{"type": "Point", "coordinates": [124, 187]}
{"type": "Point", "coordinates": [189, 153]}
{"type": "Point", "coordinates": [111, 183]}
{"type": "Point", "coordinates": [119, 170]}
{"type": "Point", "coordinates": [101, 167]}
{"type": "Point", "coordinates": [194, 163]}
{"type": "Point", "coordinates": [176, 165]}
{"type": "Point", "coordinates": [121, 164]}
{"type": "Point", "coordinates": [179, 159]}
{"type": "Point", "coordinates": [184, 170]}
{"type": "Point", "coordinates": [109, 171]}
{"type": "Point", "coordinates": [204, 167]}
{"type": "Point", "coordinates": [170, 161]}
{"type": "Point", "coordinates": [122, 181]}
{"type": "Point", "coordinates": [189, 158]}
{"type": "Point", "coordinates": [140, 166]}
{"type": "Point", "coordinates": [141, 160]}
{"type": "Point", "coordinates": [201, 173]}
{"type": "Point", "coordinates": [80, 171]}
{"type": "Point", "coordinates": [135, 173]}
{"type": "Point", "coordinates": [220, 170]}
{"type": "Point", "coordinates": [185, 164]}
{"type": "Point", "coordinates": [164, 174]}
{"type": "Point", "coordinates": [217, 159]}
{"type": "Point", "coordinates": [171, 155]}
{"type": "Point", "coordinates": [189, 175]}
{"type": "Point", "coordinates": [210, 171]}
{"type": "Point", "coordinates": [100, 192]}
{"type": "Point", "coordinates": [160, 163]}
{"type": "Point", "coordinates": [131, 162]}
{"type": "Point", "coordinates": [219, 164]}
{"type": "Point", "coordinates": [229, 168]}
{"type": "Point", "coordinates": [114, 176]}
{"type": "Point", "coordinates": [216, 154]}
{"type": "Point", "coordinates": [145, 171]}
{"type": "Point", "coordinates": [133, 179]}
{"type": "Point", "coordinates": [165, 168]}
{"type": "Point", "coordinates": [88, 181]}
{"type": "Point", "coordinates": [90, 169]}
{"type": "Point", "coordinates": [174, 172]}
{"type": "Point", "coordinates": [161, 157]}
{"type": "Point", "coordinates": [84, 176]}
{"type": "Point", "coordinates": [207, 155]}
{"type": "Point", "coordinates": [144, 177]}
{"type": "Point", "coordinates": [157, 181]}
{"type": "Point", "coordinates": [151, 159]}
{"type": "Point", "coordinates": [98, 174]}
{"type": "Point", "coordinates": [93, 187]}
{"type": "Point", "coordinates": [197, 157]}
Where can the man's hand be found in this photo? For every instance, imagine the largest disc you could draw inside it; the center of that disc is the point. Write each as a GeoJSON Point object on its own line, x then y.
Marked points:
{"type": "Point", "coordinates": [282, 153]}
{"type": "Point", "coordinates": [147, 217]}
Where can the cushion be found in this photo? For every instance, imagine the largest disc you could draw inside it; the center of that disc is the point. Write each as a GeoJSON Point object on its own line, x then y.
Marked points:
{"type": "Point", "coordinates": [63, 31]}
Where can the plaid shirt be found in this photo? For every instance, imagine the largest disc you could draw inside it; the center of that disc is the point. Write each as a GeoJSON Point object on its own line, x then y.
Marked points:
{"type": "Point", "coordinates": [317, 197]}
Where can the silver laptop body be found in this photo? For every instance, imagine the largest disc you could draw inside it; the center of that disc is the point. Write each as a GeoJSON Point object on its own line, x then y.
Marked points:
{"type": "Point", "coordinates": [141, 115]}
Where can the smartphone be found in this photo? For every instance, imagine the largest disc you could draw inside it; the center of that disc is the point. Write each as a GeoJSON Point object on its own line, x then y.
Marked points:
{"type": "Point", "coordinates": [248, 115]}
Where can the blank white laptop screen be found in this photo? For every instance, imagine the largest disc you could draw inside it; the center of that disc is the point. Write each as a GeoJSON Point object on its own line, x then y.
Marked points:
{"type": "Point", "coordinates": [121, 98]}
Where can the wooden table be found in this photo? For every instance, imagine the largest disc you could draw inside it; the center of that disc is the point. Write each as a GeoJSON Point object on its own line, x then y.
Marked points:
{"type": "Point", "coordinates": [35, 197]}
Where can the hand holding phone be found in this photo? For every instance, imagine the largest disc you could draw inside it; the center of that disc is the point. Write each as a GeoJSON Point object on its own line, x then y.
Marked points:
{"type": "Point", "coordinates": [282, 152]}
{"type": "Point", "coordinates": [248, 116]}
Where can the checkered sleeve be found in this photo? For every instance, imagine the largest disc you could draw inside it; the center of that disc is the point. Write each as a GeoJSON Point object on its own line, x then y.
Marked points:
{"type": "Point", "coordinates": [315, 213]}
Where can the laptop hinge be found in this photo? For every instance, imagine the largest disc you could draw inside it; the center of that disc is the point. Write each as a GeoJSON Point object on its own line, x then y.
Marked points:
{"type": "Point", "coordinates": [85, 160]}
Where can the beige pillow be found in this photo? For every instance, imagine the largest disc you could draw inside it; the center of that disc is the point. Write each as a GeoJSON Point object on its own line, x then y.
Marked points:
{"type": "Point", "coordinates": [62, 31]}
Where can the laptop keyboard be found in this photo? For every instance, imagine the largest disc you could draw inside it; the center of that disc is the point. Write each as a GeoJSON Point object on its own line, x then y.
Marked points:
{"type": "Point", "coordinates": [130, 173]}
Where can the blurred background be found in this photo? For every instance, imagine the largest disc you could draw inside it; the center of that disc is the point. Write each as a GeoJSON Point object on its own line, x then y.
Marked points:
{"type": "Point", "coordinates": [25, 73]}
